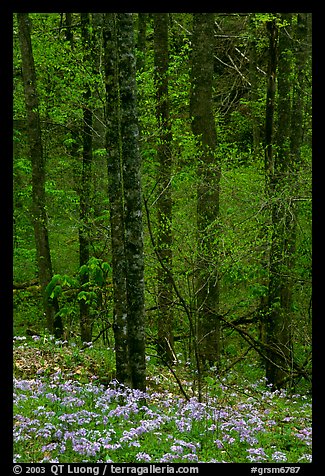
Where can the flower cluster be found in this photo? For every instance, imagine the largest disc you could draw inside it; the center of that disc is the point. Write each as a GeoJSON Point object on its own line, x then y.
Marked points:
{"type": "Point", "coordinates": [70, 421]}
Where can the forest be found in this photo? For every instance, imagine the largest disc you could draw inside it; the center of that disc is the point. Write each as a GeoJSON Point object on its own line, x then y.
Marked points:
{"type": "Point", "coordinates": [162, 245]}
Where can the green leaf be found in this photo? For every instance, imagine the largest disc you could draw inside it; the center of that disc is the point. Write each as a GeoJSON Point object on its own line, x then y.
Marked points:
{"type": "Point", "coordinates": [99, 277]}
{"type": "Point", "coordinates": [50, 287]}
{"type": "Point", "coordinates": [83, 270]}
{"type": "Point", "coordinates": [56, 292]}
{"type": "Point", "coordinates": [106, 267]}
{"type": "Point", "coordinates": [82, 295]}
{"type": "Point", "coordinates": [258, 290]}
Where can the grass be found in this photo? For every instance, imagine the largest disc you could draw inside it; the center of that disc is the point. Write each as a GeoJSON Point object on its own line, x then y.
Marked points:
{"type": "Point", "coordinates": [63, 413]}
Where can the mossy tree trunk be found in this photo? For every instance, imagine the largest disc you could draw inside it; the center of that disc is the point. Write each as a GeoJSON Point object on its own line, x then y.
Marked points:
{"type": "Point", "coordinates": [40, 223]}
{"type": "Point", "coordinates": [133, 227]}
{"type": "Point", "coordinates": [125, 194]}
{"type": "Point", "coordinates": [282, 174]}
{"type": "Point", "coordinates": [116, 200]}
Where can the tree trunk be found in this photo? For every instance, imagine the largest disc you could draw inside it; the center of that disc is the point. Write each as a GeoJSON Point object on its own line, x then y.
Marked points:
{"type": "Point", "coordinates": [51, 308]}
{"type": "Point", "coordinates": [299, 88]}
{"type": "Point", "coordinates": [132, 200]}
{"type": "Point", "coordinates": [270, 102]}
{"type": "Point", "coordinates": [285, 182]}
{"type": "Point", "coordinates": [165, 342]}
{"type": "Point", "coordinates": [254, 93]}
{"type": "Point", "coordinates": [203, 127]}
{"type": "Point", "coordinates": [85, 188]}
{"type": "Point", "coordinates": [115, 194]}
{"type": "Point", "coordinates": [68, 28]}
{"type": "Point", "coordinates": [141, 40]}
{"type": "Point", "coordinates": [278, 324]}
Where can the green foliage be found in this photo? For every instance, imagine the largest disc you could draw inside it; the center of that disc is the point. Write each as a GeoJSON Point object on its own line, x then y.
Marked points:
{"type": "Point", "coordinates": [96, 292]}
{"type": "Point", "coordinates": [241, 236]}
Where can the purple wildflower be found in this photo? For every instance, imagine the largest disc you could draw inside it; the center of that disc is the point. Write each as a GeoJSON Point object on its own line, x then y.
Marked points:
{"type": "Point", "coordinates": [279, 457]}
{"type": "Point", "coordinates": [177, 448]}
{"type": "Point", "coordinates": [49, 447]}
{"type": "Point", "coordinates": [256, 455]}
{"type": "Point", "coordinates": [305, 435]}
{"type": "Point", "coordinates": [191, 457]}
{"type": "Point", "coordinates": [167, 457]}
{"type": "Point", "coordinates": [143, 457]}
{"type": "Point", "coordinates": [219, 444]}
{"type": "Point", "coordinates": [184, 424]}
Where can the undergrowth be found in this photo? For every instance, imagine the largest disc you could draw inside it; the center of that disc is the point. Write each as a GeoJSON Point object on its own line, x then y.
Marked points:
{"type": "Point", "coordinates": [69, 408]}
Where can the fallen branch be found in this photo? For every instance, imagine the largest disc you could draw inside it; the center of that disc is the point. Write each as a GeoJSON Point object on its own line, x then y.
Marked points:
{"type": "Point", "coordinates": [28, 284]}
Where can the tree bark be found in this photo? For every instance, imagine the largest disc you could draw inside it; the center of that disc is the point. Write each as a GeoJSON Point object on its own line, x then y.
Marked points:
{"type": "Point", "coordinates": [165, 341]}
{"type": "Point", "coordinates": [68, 29]}
{"type": "Point", "coordinates": [278, 323]}
{"type": "Point", "coordinates": [115, 194]}
{"type": "Point", "coordinates": [85, 188]}
{"type": "Point", "coordinates": [51, 307]}
{"type": "Point", "coordinates": [208, 171]}
{"type": "Point", "coordinates": [141, 40]}
{"type": "Point", "coordinates": [270, 102]}
{"type": "Point", "coordinates": [254, 93]}
{"type": "Point", "coordinates": [132, 199]}
{"type": "Point", "coordinates": [299, 87]}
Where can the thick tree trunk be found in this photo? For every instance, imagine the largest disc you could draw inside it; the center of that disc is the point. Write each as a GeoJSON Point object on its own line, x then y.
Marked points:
{"type": "Point", "coordinates": [203, 127]}
{"type": "Point", "coordinates": [278, 326]}
{"type": "Point", "coordinates": [132, 199]}
{"type": "Point", "coordinates": [165, 341]}
{"type": "Point", "coordinates": [285, 180]}
{"type": "Point", "coordinates": [115, 194]}
{"type": "Point", "coordinates": [51, 307]}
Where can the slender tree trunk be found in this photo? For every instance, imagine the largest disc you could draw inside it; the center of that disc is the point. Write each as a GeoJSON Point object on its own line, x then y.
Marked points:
{"type": "Point", "coordinates": [85, 188]}
{"type": "Point", "coordinates": [115, 194]}
{"type": "Point", "coordinates": [298, 99]}
{"type": "Point", "coordinates": [278, 325]}
{"type": "Point", "coordinates": [257, 150]}
{"type": "Point", "coordinates": [68, 29]}
{"type": "Point", "coordinates": [82, 183]}
{"type": "Point", "coordinates": [165, 342]}
{"type": "Point", "coordinates": [99, 174]}
{"type": "Point", "coordinates": [270, 103]}
{"type": "Point", "coordinates": [132, 199]}
{"type": "Point", "coordinates": [203, 127]}
{"type": "Point", "coordinates": [51, 307]}
{"type": "Point", "coordinates": [268, 146]}
{"type": "Point", "coordinates": [254, 93]}
{"type": "Point", "coordinates": [141, 40]}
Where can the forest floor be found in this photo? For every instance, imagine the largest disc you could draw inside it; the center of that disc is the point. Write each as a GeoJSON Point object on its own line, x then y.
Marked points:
{"type": "Point", "coordinates": [68, 405]}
